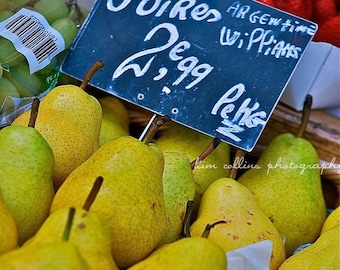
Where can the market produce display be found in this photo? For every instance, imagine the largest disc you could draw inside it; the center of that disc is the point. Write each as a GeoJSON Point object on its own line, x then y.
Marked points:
{"type": "Point", "coordinates": [81, 189]}
{"type": "Point", "coordinates": [133, 205]}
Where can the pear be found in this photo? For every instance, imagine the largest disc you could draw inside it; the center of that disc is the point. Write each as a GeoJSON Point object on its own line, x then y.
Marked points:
{"type": "Point", "coordinates": [52, 256]}
{"type": "Point", "coordinates": [179, 187]}
{"type": "Point", "coordinates": [75, 138]}
{"type": "Point", "coordinates": [286, 183]}
{"type": "Point", "coordinates": [188, 253]}
{"type": "Point", "coordinates": [131, 198]}
{"type": "Point", "coordinates": [8, 229]}
{"type": "Point", "coordinates": [322, 254]}
{"type": "Point", "coordinates": [179, 138]}
{"type": "Point", "coordinates": [27, 163]}
{"type": "Point", "coordinates": [332, 220]}
{"type": "Point", "coordinates": [115, 119]}
{"type": "Point", "coordinates": [244, 222]}
{"type": "Point", "coordinates": [89, 232]}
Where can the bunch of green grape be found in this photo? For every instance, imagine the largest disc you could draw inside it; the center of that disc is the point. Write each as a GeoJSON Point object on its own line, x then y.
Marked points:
{"type": "Point", "coordinates": [15, 78]}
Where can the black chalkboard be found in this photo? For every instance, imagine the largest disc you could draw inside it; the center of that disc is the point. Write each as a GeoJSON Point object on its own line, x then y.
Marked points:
{"type": "Point", "coordinates": [219, 67]}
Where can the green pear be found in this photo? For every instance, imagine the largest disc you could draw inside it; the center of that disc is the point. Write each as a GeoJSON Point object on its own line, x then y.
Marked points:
{"type": "Point", "coordinates": [322, 254]}
{"type": "Point", "coordinates": [244, 221]}
{"type": "Point", "coordinates": [131, 198]}
{"type": "Point", "coordinates": [53, 255]}
{"type": "Point", "coordinates": [27, 163]}
{"type": "Point", "coordinates": [115, 119]}
{"type": "Point", "coordinates": [188, 253]}
{"type": "Point", "coordinates": [286, 183]}
{"type": "Point", "coordinates": [178, 138]}
{"type": "Point", "coordinates": [179, 187]}
{"type": "Point", "coordinates": [179, 190]}
{"type": "Point", "coordinates": [76, 137]}
{"type": "Point", "coordinates": [89, 232]}
{"type": "Point", "coordinates": [8, 229]}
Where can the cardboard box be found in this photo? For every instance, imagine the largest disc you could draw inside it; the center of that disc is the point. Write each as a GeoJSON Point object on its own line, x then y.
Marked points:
{"type": "Point", "coordinates": [317, 74]}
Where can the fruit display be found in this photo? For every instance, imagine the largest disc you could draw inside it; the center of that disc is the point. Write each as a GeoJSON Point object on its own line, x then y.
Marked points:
{"type": "Point", "coordinates": [87, 181]}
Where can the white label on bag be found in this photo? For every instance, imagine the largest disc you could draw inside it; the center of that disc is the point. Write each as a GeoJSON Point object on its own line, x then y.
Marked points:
{"type": "Point", "coordinates": [32, 36]}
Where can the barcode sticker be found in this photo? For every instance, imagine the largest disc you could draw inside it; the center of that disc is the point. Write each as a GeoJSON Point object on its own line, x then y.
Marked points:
{"type": "Point", "coordinates": [32, 36]}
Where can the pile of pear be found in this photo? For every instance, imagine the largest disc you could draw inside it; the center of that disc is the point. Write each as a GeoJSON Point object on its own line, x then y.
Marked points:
{"type": "Point", "coordinates": [146, 201]}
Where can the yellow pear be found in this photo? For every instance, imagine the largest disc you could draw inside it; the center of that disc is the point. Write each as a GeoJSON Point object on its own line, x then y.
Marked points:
{"type": "Point", "coordinates": [52, 256]}
{"type": "Point", "coordinates": [286, 183]}
{"type": "Point", "coordinates": [115, 119]}
{"type": "Point", "coordinates": [89, 232]}
{"type": "Point", "coordinates": [244, 222]}
{"type": "Point", "coordinates": [131, 198]}
{"type": "Point", "coordinates": [8, 229]}
{"type": "Point", "coordinates": [62, 134]}
{"type": "Point", "coordinates": [188, 253]}
{"type": "Point", "coordinates": [332, 220]}
{"type": "Point", "coordinates": [76, 137]}
{"type": "Point", "coordinates": [322, 254]}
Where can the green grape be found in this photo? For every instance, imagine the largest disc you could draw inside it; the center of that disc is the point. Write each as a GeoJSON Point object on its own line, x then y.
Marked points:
{"type": "Point", "coordinates": [7, 89]}
{"type": "Point", "coordinates": [3, 5]}
{"type": "Point", "coordinates": [52, 10]}
{"type": "Point", "coordinates": [15, 5]}
{"type": "Point", "coordinates": [5, 14]}
{"type": "Point", "coordinates": [67, 28]}
{"type": "Point", "coordinates": [9, 56]}
{"type": "Point", "coordinates": [28, 85]}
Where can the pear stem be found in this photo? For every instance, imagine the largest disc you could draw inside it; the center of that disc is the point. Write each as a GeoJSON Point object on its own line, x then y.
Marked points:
{"type": "Point", "coordinates": [187, 217]}
{"type": "Point", "coordinates": [238, 156]}
{"type": "Point", "coordinates": [208, 227]}
{"type": "Point", "coordinates": [34, 112]}
{"type": "Point", "coordinates": [211, 147]}
{"type": "Point", "coordinates": [68, 226]}
{"type": "Point", "coordinates": [93, 193]}
{"type": "Point", "coordinates": [307, 105]}
{"type": "Point", "coordinates": [97, 65]}
{"type": "Point", "coordinates": [153, 126]}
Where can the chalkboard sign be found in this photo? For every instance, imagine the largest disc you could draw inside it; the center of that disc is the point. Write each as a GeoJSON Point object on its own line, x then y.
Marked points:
{"type": "Point", "coordinates": [219, 67]}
